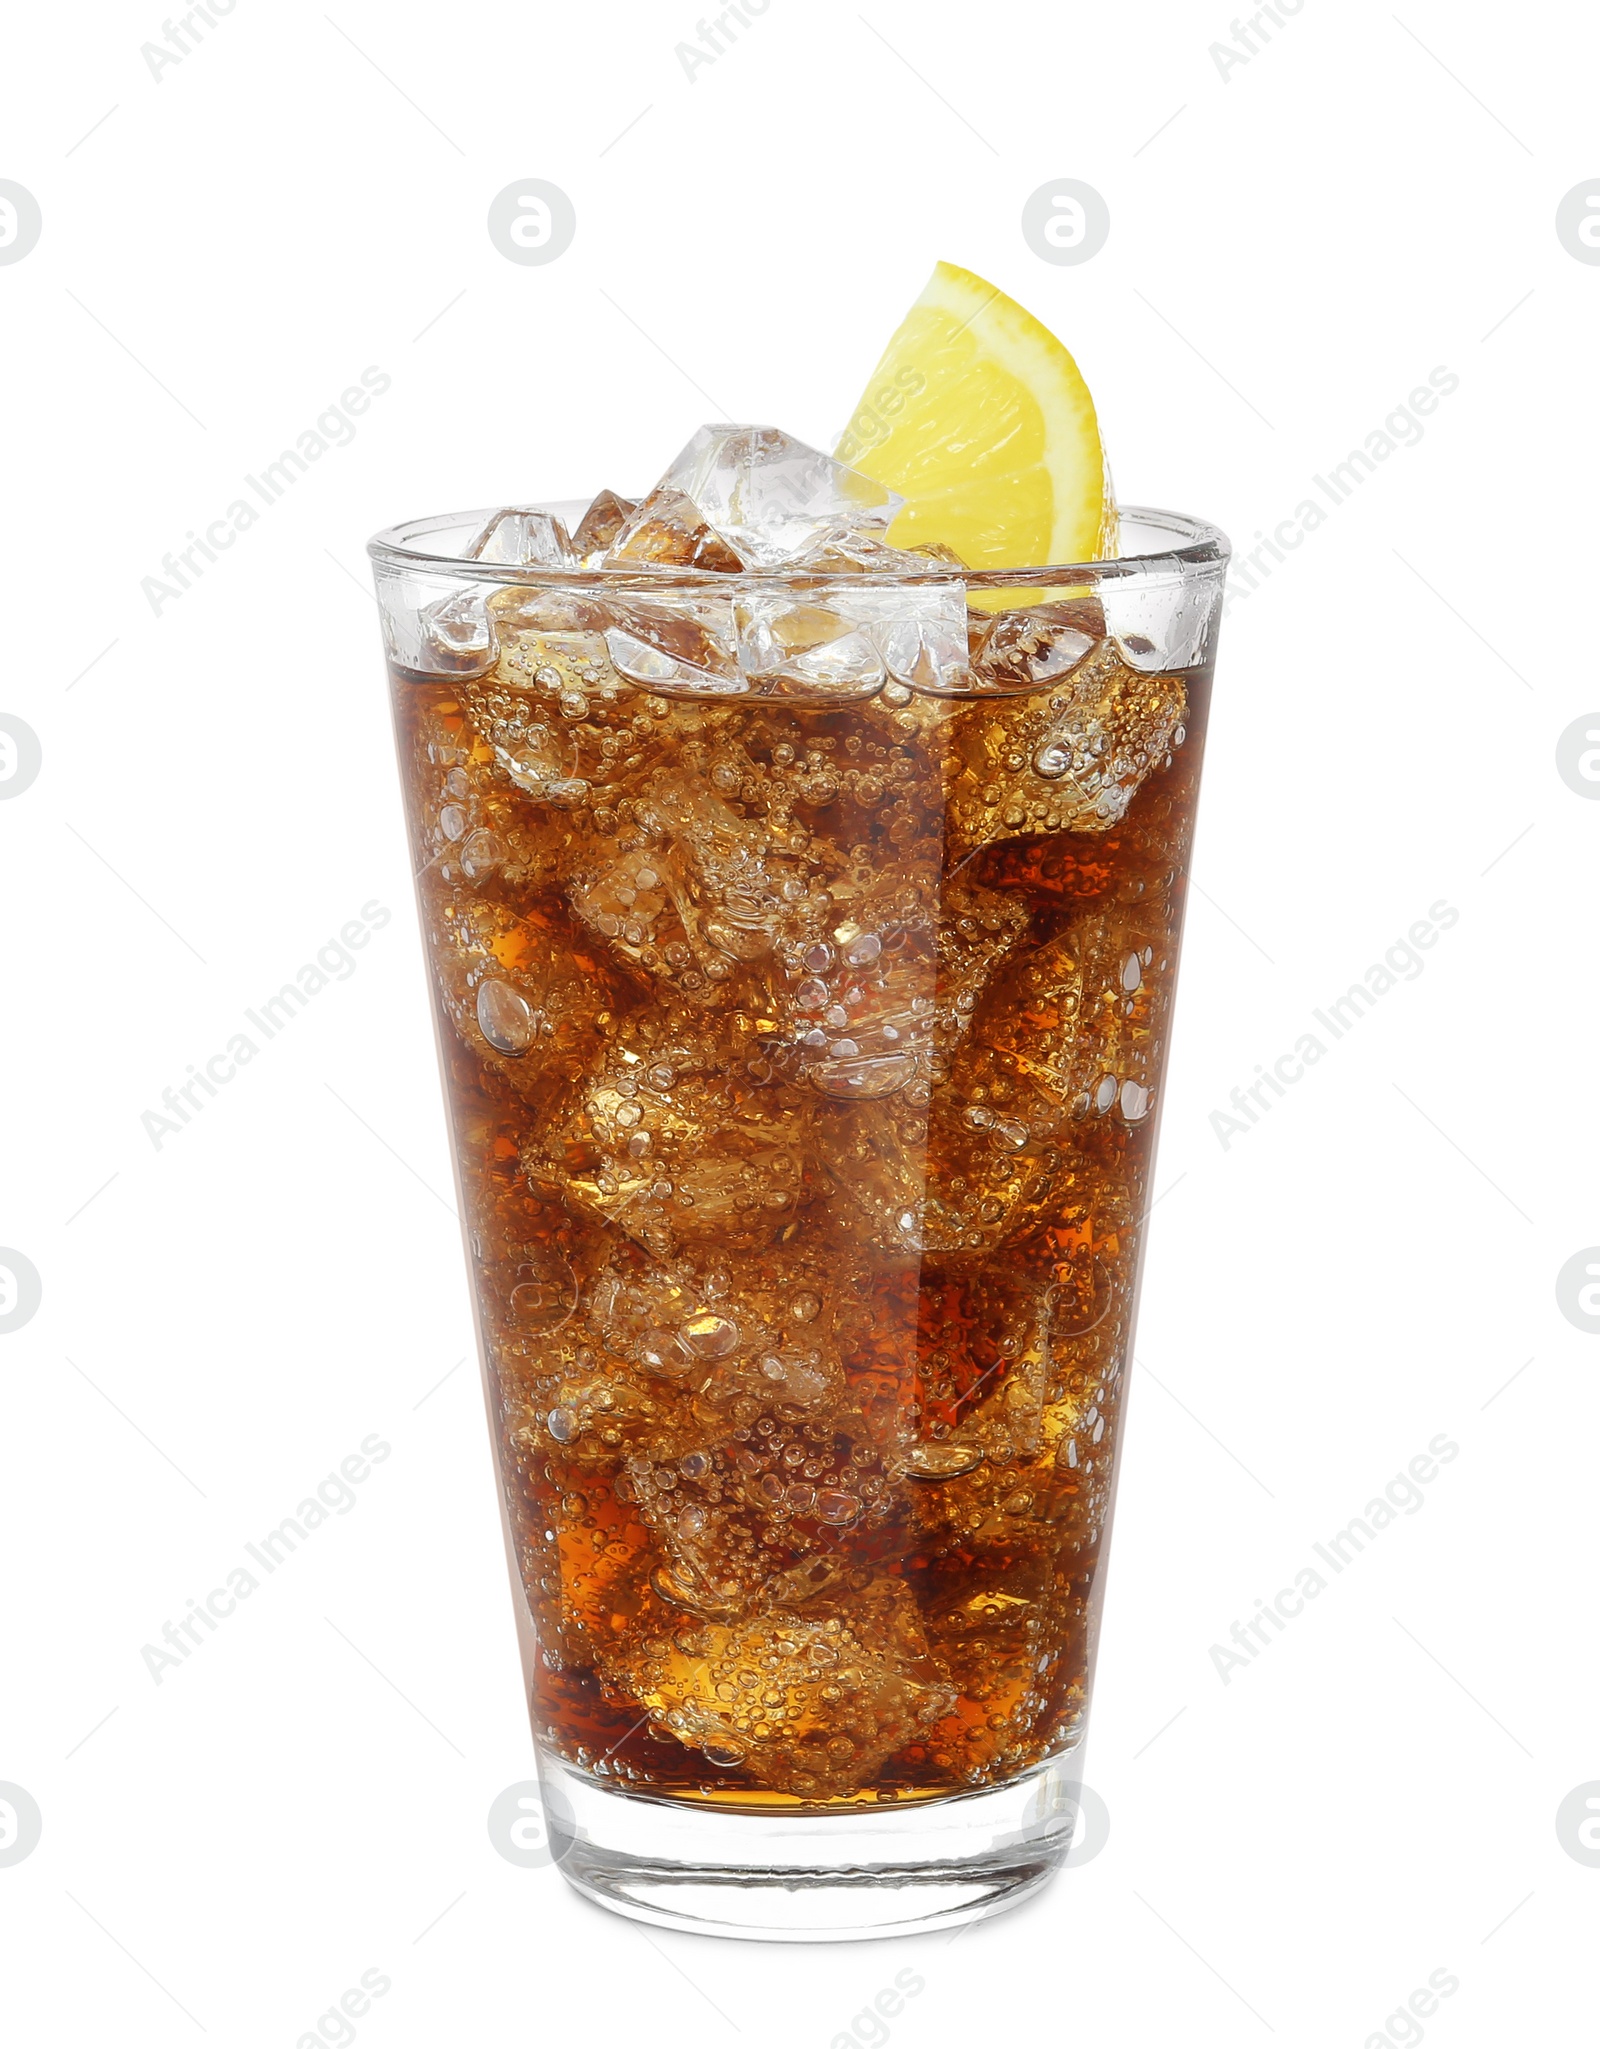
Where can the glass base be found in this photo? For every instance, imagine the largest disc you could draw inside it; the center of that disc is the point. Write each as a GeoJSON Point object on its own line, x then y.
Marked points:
{"type": "Point", "coordinates": [769, 1877]}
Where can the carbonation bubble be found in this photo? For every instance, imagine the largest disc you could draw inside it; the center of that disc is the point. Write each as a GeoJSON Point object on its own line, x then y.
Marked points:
{"type": "Point", "coordinates": [540, 1305]}
{"type": "Point", "coordinates": [848, 1075]}
{"type": "Point", "coordinates": [941, 1461]}
{"type": "Point", "coordinates": [709, 1336]}
{"type": "Point", "coordinates": [506, 1018]}
{"type": "Point", "coordinates": [482, 854]}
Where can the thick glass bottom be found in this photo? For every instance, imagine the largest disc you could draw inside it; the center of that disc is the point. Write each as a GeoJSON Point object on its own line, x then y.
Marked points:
{"type": "Point", "coordinates": [813, 1878]}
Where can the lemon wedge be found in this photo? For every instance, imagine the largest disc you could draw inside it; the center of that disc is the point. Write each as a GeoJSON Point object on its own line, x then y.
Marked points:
{"type": "Point", "coordinates": [981, 420]}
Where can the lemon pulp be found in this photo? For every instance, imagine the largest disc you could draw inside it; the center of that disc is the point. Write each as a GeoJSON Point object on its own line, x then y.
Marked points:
{"type": "Point", "coordinates": [981, 420]}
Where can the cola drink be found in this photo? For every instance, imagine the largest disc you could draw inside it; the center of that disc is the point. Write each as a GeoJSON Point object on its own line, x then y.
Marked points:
{"type": "Point", "coordinates": [803, 942]}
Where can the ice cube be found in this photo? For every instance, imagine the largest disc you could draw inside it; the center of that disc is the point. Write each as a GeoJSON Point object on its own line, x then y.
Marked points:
{"type": "Point", "coordinates": [1068, 1053]}
{"type": "Point", "coordinates": [520, 610]}
{"type": "Point", "coordinates": [677, 1146]}
{"type": "Point", "coordinates": [551, 673]}
{"type": "Point", "coordinates": [801, 1377]}
{"type": "Point", "coordinates": [1065, 758]}
{"type": "Point", "coordinates": [814, 649]}
{"type": "Point", "coordinates": [512, 986]}
{"type": "Point", "coordinates": [599, 527]}
{"type": "Point", "coordinates": [1022, 650]}
{"type": "Point", "coordinates": [665, 1321]}
{"type": "Point", "coordinates": [582, 1405]}
{"type": "Point", "coordinates": [602, 1577]}
{"type": "Point", "coordinates": [994, 1163]}
{"type": "Point", "coordinates": [524, 537]}
{"type": "Point", "coordinates": [841, 642]}
{"type": "Point", "coordinates": [704, 1586]}
{"type": "Point", "coordinates": [875, 1154]}
{"type": "Point", "coordinates": [921, 632]}
{"type": "Point", "coordinates": [554, 709]}
{"type": "Point", "coordinates": [862, 1019]}
{"type": "Point", "coordinates": [977, 929]}
{"type": "Point", "coordinates": [471, 827]}
{"type": "Point", "coordinates": [810, 1701]}
{"type": "Point", "coordinates": [697, 895]}
{"type": "Point", "coordinates": [456, 636]}
{"type": "Point", "coordinates": [773, 499]}
{"type": "Point", "coordinates": [555, 665]}
{"type": "Point", "coordinates": [866, 554]}
{"type": "Point", "coordinates": [528, 742]}
{"type": "Point", "coordinates": [667, 528]}
{"type": "Point", "coordinates": [879, 1005]}
{"type": "Point", "coordinates": [1082, 1019]}
{"type": "Point", "coordinates": [677, 644]}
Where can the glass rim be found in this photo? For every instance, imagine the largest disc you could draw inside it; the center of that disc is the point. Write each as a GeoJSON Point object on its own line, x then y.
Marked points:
{"type": "Point", "coordinates": [1196, 547]}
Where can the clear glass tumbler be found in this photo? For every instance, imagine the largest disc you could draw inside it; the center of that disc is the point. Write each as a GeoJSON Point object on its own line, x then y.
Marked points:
{"type": "Point", "coordinates": [803, 953]}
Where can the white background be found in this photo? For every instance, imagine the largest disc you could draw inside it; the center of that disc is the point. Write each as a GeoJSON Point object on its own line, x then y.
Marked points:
{"type": "Point", "coordinates": [1293, 249]}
